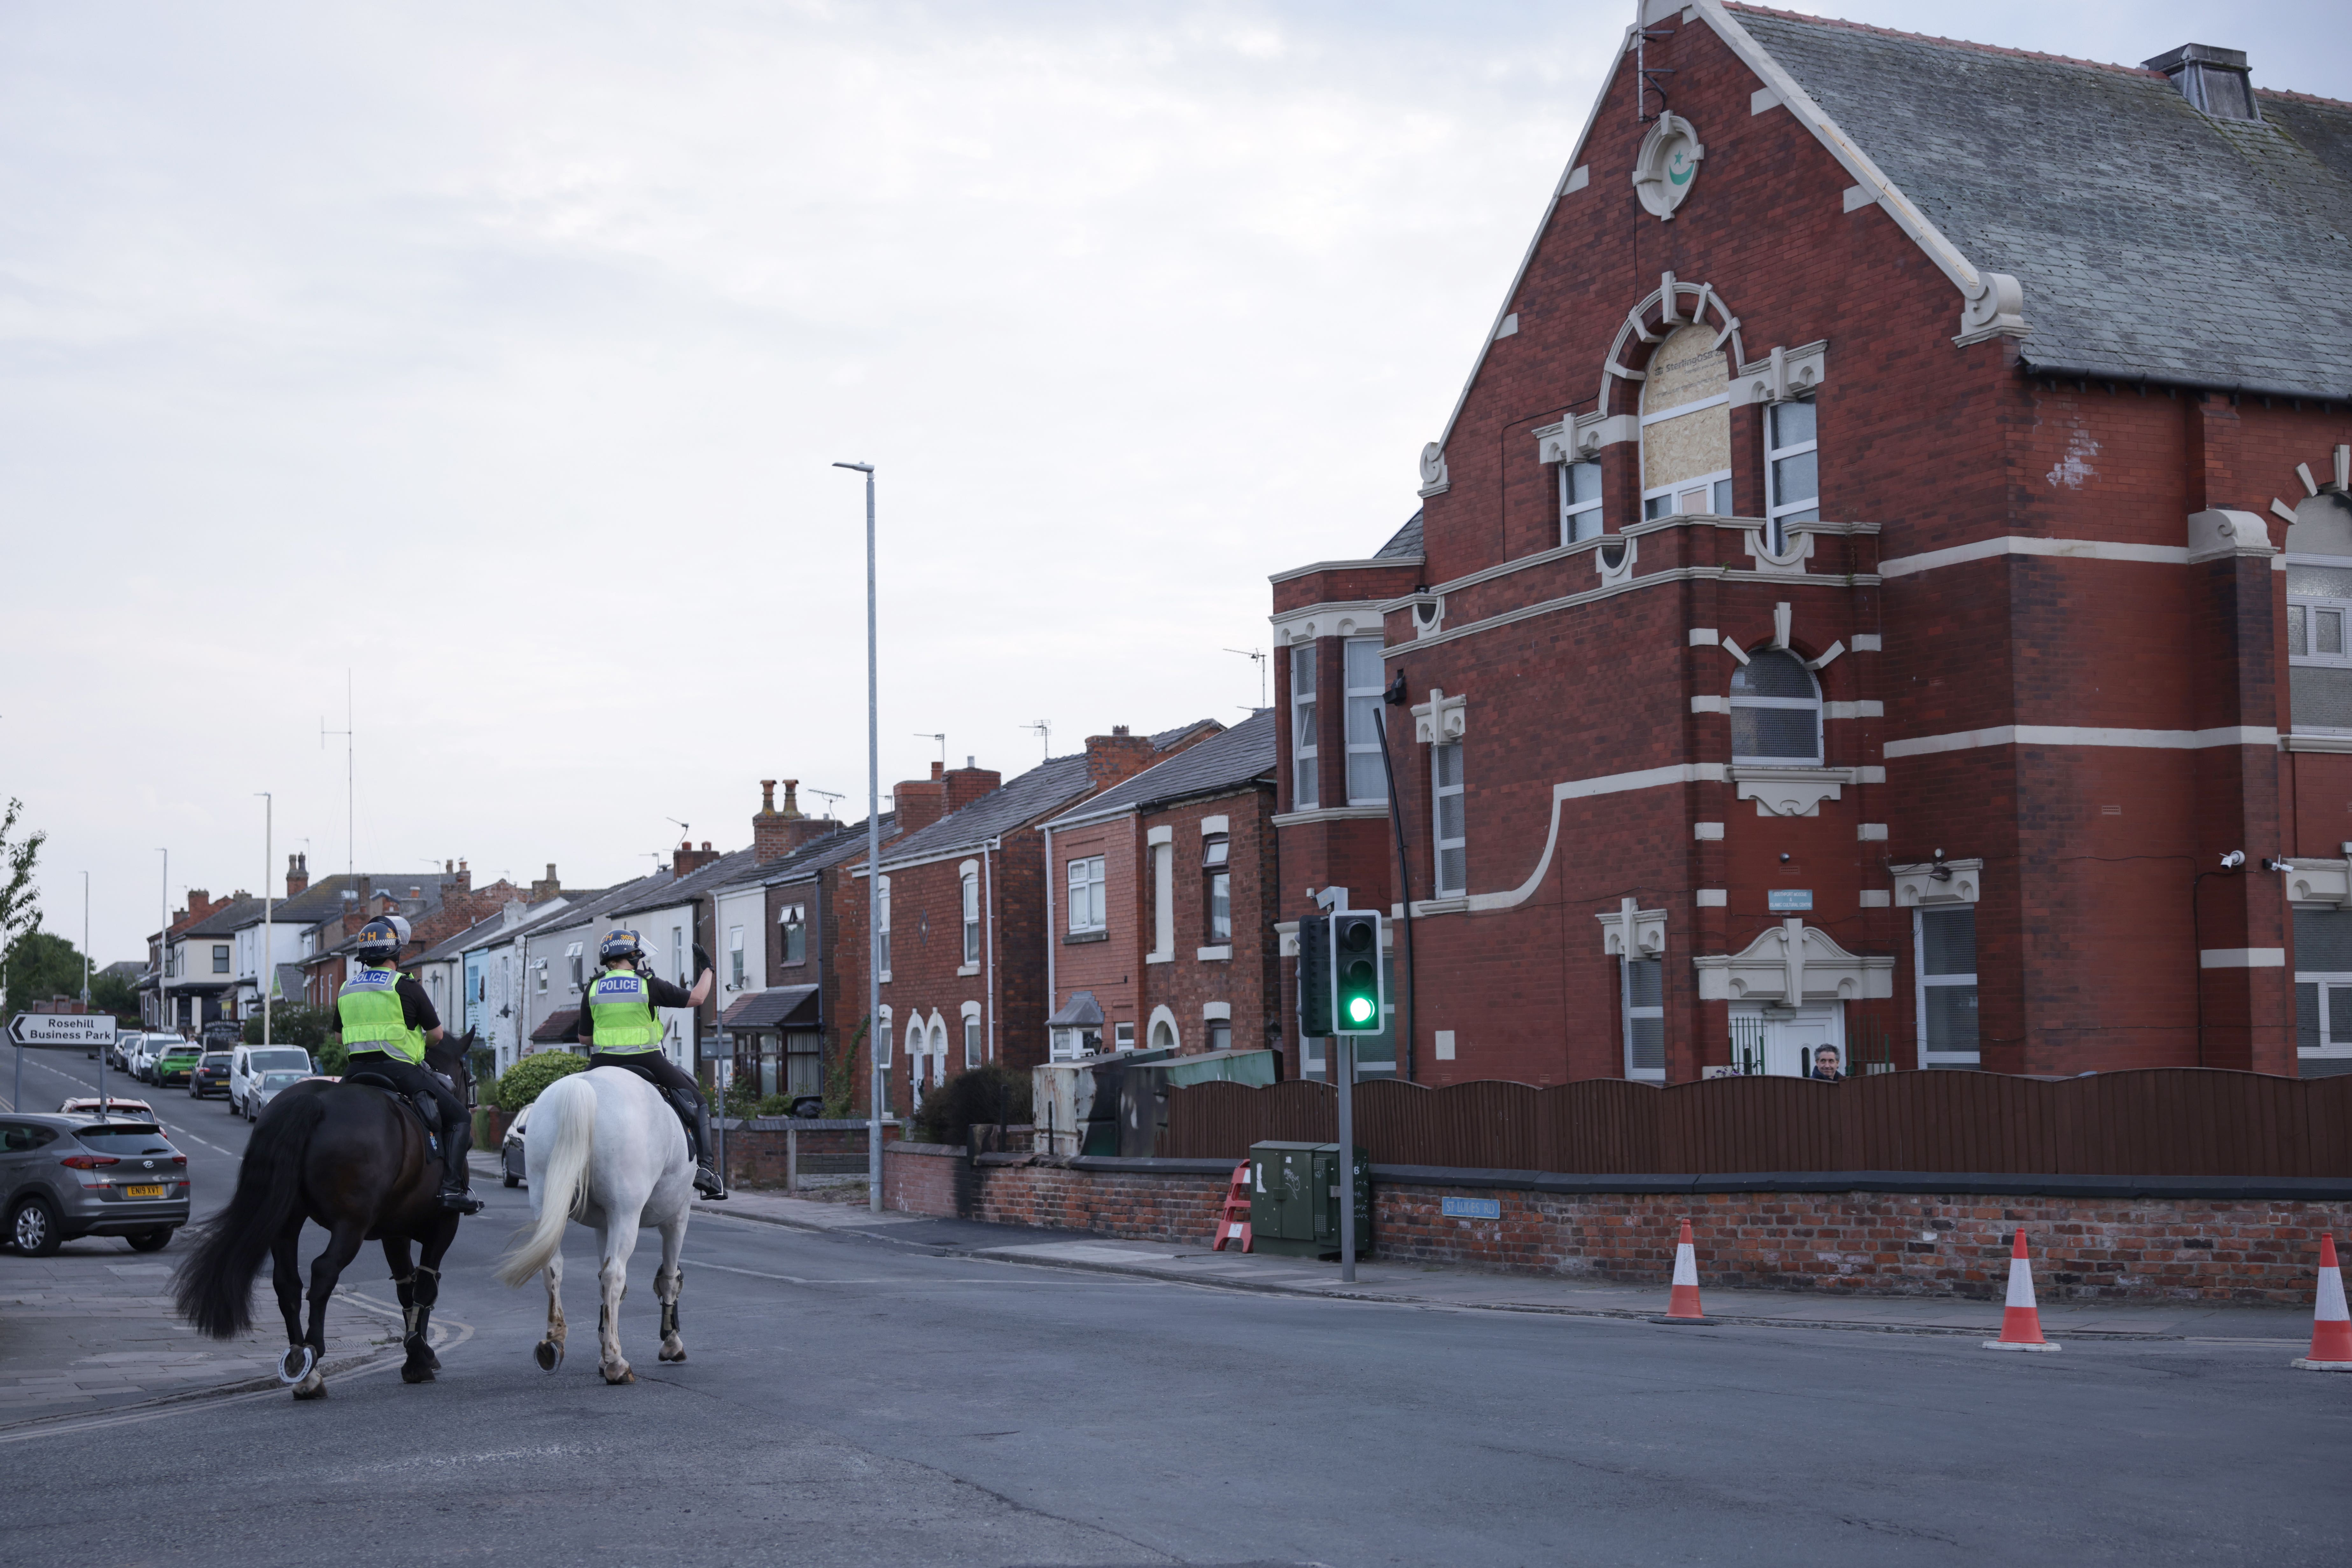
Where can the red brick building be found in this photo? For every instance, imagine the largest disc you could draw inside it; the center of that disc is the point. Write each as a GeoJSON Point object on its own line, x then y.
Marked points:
{"type": "Point", "coordinates": [1892, 548]}
{"type": "Point", "coordinates": [1164, 905]}
{"type": "Point", "coordinates": [963, 911]}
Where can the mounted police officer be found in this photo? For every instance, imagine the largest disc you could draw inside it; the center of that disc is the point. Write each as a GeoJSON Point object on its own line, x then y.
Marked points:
{"type": "Point", "coordinates": [618, 1020]}
{"type": "Point", "coordinates": [388, 1020]}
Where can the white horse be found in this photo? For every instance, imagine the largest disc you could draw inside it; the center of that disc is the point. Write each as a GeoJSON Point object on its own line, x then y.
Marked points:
{"type": "Point", "coordinates": [604, 1147]}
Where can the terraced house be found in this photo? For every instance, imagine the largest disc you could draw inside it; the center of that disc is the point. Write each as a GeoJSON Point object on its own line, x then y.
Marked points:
{"type": "Point", "coordinates": [1883, 584]}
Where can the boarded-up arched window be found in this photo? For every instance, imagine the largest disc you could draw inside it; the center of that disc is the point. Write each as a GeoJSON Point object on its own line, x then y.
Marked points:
{"type": "Point", "coordinates": [1686, 427]}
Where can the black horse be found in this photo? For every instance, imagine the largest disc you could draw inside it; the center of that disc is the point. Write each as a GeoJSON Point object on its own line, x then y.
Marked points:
{"type": "Point", "coordinates": [355, 1160]}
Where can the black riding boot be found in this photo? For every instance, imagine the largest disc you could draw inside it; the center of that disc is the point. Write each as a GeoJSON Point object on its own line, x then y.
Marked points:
{"type": "Point", "coordinates": [696, 1113]}
{"type": "Point", "coordinates": [456, 1139]}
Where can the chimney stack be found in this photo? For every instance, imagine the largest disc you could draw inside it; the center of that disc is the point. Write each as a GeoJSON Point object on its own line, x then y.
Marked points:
{"type": "Point", "coordinates": [1117, 757]}
{"type": "Point", "coordinates": [776, 834]}
{"type": "Point", "coordinates": [298, 873]}
{"type": "Point", "coordinates": [465, 879]}
{"type": "Point", "coordinates": [547, 887]}
{"type": "Point", "coordinates": [688, 860]}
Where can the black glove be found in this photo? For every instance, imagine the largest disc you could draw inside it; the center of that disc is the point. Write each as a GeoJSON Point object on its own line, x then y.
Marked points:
{"type": "Point", "coordinates": [702, 964]}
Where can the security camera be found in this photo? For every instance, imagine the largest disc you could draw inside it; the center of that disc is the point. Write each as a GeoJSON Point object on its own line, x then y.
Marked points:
{"type": "Point", "coordinates": [2274, 864]}
{"type": "Point", "coordinates": [2233, 859]}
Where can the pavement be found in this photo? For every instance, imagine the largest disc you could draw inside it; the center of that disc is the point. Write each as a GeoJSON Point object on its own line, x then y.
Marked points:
{"type": "Point", "coordinates": [897, 1389]}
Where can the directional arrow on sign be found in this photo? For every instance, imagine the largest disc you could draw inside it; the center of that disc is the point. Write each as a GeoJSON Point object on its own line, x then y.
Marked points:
{"type": "Point", "coordinates": [61, 1031]}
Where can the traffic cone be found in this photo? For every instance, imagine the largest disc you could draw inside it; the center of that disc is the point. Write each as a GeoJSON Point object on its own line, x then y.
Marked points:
{"type": "Point", "coordinates": [1682, 1302]}
{"type": "Point", "coordinates": [2020, 1322]}
{"type": "Point", "coordinates": [2331, 1325]}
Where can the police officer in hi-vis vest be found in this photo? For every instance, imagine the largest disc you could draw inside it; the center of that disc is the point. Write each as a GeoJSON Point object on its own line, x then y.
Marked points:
{"type": "Point", "coordinates": [618, 1020]}
{"type": "Point", "coordinates": [386, 1020]}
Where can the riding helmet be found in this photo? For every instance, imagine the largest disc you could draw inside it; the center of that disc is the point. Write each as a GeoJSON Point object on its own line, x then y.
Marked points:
{"type": "Point", "coordinates": [381, 939]}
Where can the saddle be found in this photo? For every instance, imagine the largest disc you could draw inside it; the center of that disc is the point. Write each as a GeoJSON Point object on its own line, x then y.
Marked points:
{"type": "Point", "coordinates": [428, 1117]}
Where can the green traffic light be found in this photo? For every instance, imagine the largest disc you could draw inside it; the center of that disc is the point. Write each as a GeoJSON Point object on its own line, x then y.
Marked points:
{"type": "Point", "coordinates": [1360, 1009]}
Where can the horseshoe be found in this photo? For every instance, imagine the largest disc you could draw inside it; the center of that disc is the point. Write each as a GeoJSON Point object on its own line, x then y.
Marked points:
{"type": "Point", "coordinates": [309, 1359]}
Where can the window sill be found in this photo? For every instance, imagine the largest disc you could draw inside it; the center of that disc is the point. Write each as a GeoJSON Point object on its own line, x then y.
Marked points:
{"type": "Point", "coordinates": [965, 969]}
{"type": "Point", "coordinates": [1210, 954]}
{"type": "Point", "coordinates": [1332, 814]}
{"type": "Point", "coordinates": [1159, 957]}
{"type": "Point", "coordinates": [1077, 938]}
{"type": "Point", "coordinates": [1452, 903]}
{"type": "Point", "coordinates": [2301, 742]}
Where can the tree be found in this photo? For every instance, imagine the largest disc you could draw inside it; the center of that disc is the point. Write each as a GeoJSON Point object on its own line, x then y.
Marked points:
{"type": "Point", "coordinates": [113, 993]}
{"type": "Point", "coordinates": [39, 965]}
{"type": "Point", "coordinates": [293, 1024]}
{"type": "Point", "coordinates": [20, 903]}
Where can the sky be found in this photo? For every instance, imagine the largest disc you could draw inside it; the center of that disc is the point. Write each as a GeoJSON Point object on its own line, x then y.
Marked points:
{"type": "Point", "coordinates": [493, 358]}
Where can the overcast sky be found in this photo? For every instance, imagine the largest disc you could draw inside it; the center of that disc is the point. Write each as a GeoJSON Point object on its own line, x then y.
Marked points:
{"type": "Point", "coordinates": [496, 353]}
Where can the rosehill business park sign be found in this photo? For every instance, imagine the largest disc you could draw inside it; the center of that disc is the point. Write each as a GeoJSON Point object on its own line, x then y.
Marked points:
{"type": "Point", "coordinates": [61, 1031]}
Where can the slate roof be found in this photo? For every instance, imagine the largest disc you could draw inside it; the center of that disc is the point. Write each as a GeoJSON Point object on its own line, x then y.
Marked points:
{"type": "Point", "coordinates": [1404, 544]}
{"type": "Point", "coordinates": [769, 1008]}
{"type": "Point", "coordinates": [683, 889]}
{"type": "Point", "coordinates": [2149, 239]}
{"type": "Point", "coordinates": [821, 854]}
{"type": "Point", "coordinates": [1052, 783]}
{"type": "Point", "coordinates": [223, 921]}
{"type": "Point", "coordinates": [1220, 762]}
{"type": "Point", "coordinates": [451, 946]}
{"type": "Point", "coordinates": [557, 1029]}
{"type": "Point", "coordinates": [587, 908]}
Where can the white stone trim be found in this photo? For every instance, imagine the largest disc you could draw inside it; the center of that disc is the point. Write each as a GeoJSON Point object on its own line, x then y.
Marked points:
{"type": "Point", "coordinates": [1209, 825]}
{"type": "Point", "coordinates": [1711, 705]}
{"type": "Point", "coordinates": [2241, 958]}
{"type": "Point", "coordinates": [2320, 882]}
{"type": "Point", "coordinates": [1874, 897]}
{"type": "Point", "coordinates": [1712, 898]}
{"type": "Point", "coordinates": [1583, 789]}
{"type": "Point", "coordinates": [1866, 708]}
{"type": "Point", "coordinates": [1781, 375]}
{"type": "Point", "coordinates": [1870, 832]}
{"type": "Point", "coordinates": [1215, 955]}
{"type": "Point", "coordinates": [1649, 932]}
{"type": "Point", "coordinates": [1163, 834]}
{"type": "Point", "coordinates": [2220, 533]}
{"type": "Point", "coordinates": [1444, 1045]}
{"type": "Point", "coordinates": [1163, 1014]}
{"type": "Point", "coordinates": [1333, 814]}
{"type": "Point", "coordinates": [1859, 197]}
{"type": "Point", "coordinates": [2077, 735]}
{"type": "Point", "coordinates": [1441, 719]}
{"type": "Point", "coordinates": [1706, 832]}
{"type": "Point", "coordinates": [969, 1010]}
{"type": "Point", "coordinates": [1793, 960]}
{"type": "Point", "coordinates": [1917, 885]}
{"type": "Point", "coordinates": [1577, 178]}
{"type": "Point", "coordinates": [967, 868]}
{"type": "Point", "coordinates": [1509, 329]}
{"type": "Point", "coordinates": [2027, 545]}
{"type": "Point", "coordinates": [1285, 939]}
{"type": "Point", "coordinates": [1703, 636]}
{"type": "Point", "coordinates": [1216, 1012]}
{"type": "Point", "coordinates": [1868, 642]}
{"type": "Point", "coordinates": [1789, 792]}
{"type": "Point", "coordinates": [1335, 618]}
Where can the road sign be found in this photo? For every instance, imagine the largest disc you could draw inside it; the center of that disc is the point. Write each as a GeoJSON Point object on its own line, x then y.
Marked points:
{"type": "Point", "coordinates": [61, 1031]}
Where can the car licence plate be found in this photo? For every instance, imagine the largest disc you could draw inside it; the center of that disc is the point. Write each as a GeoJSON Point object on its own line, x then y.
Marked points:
{"type": "Point", "coordinates": [143, 1192]}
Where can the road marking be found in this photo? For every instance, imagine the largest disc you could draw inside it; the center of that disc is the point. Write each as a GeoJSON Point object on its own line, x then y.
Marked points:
{"type": "Point", "coordinates": [690, 1264]}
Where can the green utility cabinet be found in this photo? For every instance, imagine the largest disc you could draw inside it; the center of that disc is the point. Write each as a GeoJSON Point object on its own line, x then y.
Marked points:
{"type": "Point", "coordinates": [1294, 1199]}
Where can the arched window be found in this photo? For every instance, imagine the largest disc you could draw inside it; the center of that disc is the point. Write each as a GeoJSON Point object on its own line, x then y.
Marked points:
{"type": "Point", "coordinates": [1686, 427]}
{"type": "Point", "coordinates": [1776, 710]}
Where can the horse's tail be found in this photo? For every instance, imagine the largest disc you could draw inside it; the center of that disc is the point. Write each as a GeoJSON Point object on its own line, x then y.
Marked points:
{"type": "Point", "coordinates": [214, 1289]}
{"type": "Point", "coordinates": [567, 1118]}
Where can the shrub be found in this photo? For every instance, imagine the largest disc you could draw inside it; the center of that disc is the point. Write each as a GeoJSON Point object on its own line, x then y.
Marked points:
{"type": "Point", "coordinates": [841, 1077]}
{"type": "Point", "coordinates": [523, 1082]}
{"type": "Point", "coordinates": [331, 1059]}
{"type": "Point", "coordinates": [293, 1024]}
{"type": "Point", "coordinates": [985, 1095]}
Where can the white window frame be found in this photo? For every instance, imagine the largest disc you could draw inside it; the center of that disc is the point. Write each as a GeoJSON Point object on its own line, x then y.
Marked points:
{"type": "Point", "coordinates": [1305, 780]}
{"type": "Point", "coordinates": [220, 958]}
{"type": "Point", "coordinates": [1122, 1035]}
{"type": "Point", "coordinates": [541, 969]}
{"type": "Point", "coordinates": [1922, 984]}
{"type": "Point", "coordinates": [1580, 520]}
{"type": "Point", "coordinates": [1221, 847]}
{"type": "Point", "coordinates": [1438, 792]}
{"type": "Point", "coordinates": [571, 955]}
{"type": "Point", "coordinates": [972, 917]}
{"type": "Point", "coordinates": [2304, 609]}
{"type": "Point", "coordinates": [881, 1041]}
{"type": "Point", "coordinates": [1626, 963]}
{"type": "Point", "coordinates": [1163, 903]}
{"type": "Point", "coordinates": [1820, 734]}
{"type": "Point", "coordinates": [2329, 1049]}
{"type": "Point", "coordinates": [1779, 508]}
{"type": "Point", "coordinates": [1718, 493]}
{"type": "Point", "coordinates": [1366, 699]}
{"type": "Point", "coordinates": [1085, 884]}
{"type": "Point", "coordinates": [735, 957]}
{"type": "Point", "coordinates": [882, 921]}
{"type": "Point", "coordinates": [789, 919]}
{"type": "Point", "coordinates": [677, 956]}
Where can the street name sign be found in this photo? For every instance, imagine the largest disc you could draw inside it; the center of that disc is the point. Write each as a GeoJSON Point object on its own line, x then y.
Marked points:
{"type": "Point", "coordinates": [61, 1031]}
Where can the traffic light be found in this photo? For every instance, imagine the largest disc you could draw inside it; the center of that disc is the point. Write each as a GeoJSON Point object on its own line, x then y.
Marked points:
{"type": "Point", "coordinates": [1314, 976]}
{"type": "Point", "coordinates": [1357, 992]}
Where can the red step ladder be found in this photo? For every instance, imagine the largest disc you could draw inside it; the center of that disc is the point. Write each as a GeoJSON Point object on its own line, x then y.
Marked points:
{"type": "Point", "coordinates": [1233, 1225]}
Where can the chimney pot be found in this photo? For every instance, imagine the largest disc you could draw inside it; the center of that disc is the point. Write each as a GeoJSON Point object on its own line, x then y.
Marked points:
{"type": "Point", "coordinates": [939, 768]}
{"type": "Point", "coordinates": [1118, 729]}
{"type": "Point", "coordinates": [767, 797]}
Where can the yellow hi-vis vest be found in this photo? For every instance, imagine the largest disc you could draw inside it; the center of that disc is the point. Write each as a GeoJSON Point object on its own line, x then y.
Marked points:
{"type": "Point", "coordinates": [621, 1017]}
{"type": "Point", "coordinates": [370, 1011]}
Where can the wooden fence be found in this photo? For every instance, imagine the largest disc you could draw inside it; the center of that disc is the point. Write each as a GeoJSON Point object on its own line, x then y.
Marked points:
{"type": "Point", "coordinates": [2163, 1121]}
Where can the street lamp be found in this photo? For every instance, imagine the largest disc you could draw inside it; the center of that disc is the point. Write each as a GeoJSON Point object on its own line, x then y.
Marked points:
{"type": "Point", "coordinates": [873, 866]}
{"type": "Point", "coordinates": [268, 965]}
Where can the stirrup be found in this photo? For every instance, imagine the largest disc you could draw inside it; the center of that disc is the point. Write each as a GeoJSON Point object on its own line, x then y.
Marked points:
{"type": "Point", "coordinates": [707, 1183]}
{"type": "Point", "coordinates": [459, 1200]}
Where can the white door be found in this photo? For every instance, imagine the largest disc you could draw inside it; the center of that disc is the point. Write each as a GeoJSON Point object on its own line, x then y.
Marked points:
{"type": "Point", "coordinates": [1785, 1038]}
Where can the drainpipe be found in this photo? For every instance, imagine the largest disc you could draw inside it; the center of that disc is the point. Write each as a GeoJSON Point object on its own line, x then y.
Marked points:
{"type": "Point", "coordinates": [988, 935]}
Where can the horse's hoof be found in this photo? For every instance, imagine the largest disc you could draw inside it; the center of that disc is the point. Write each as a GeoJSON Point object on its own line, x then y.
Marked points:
{"type": "Point", "coordinates": [673, 1353]}
{"type": "Point", "coordinates": [296, 1365]}
{"type": "Point", "coordinates": [623, 1375]}
{"type": "Point", "coordinates": [311, 1387]}
{"type": "Point", "coordinates": [432, 1362]}
{"type": "Point", "coordinates": [413, 1372]}
{"type": "Point", "coordinates": [549, 1355]}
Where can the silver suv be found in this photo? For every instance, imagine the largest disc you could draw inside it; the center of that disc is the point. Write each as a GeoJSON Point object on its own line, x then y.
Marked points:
{"type": "Point", "coordinates": [63, 1177]}
{"type": "Point", "coordinates": [249, 1062]}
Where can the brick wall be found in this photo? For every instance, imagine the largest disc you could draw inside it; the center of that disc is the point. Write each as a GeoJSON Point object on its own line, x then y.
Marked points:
{"type": "Point", "coordinates": [2261, 1251]}
{"type": "Point", "coordinates": [755, 1155]}
{"type": "Point", "coordinates": [1247, 981]}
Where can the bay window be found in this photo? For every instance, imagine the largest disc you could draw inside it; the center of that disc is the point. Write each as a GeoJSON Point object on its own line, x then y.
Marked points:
{"type": "Point", "coordinates": [1304, 790]}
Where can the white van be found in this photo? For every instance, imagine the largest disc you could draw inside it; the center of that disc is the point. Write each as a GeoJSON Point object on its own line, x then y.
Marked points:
{"type": "Point", "coordinates": [245, 1067]}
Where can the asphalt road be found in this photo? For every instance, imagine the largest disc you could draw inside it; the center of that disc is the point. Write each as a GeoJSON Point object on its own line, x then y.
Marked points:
{"type": "Point", "coordinates": [849, 1400]}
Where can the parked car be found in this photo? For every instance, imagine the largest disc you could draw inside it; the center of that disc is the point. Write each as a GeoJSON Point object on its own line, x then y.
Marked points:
{"type": "Point", "coordinates": [150, 1047]}
{"type": "Point", "coordinates": [267, 1087]}
{"type": "Point", "coordinates": [63, 1177]}
{"type": "Point", "coordinates": [211, 1076]}
{"type": "Point", "coordinates": [247, 1063]}
{"type": "Point", "coordinates": [510, 1165]}
{"type": "Point", "coordinates": [112, 1105]}
{"type": "Point", "coordinates": [176, 1065]}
